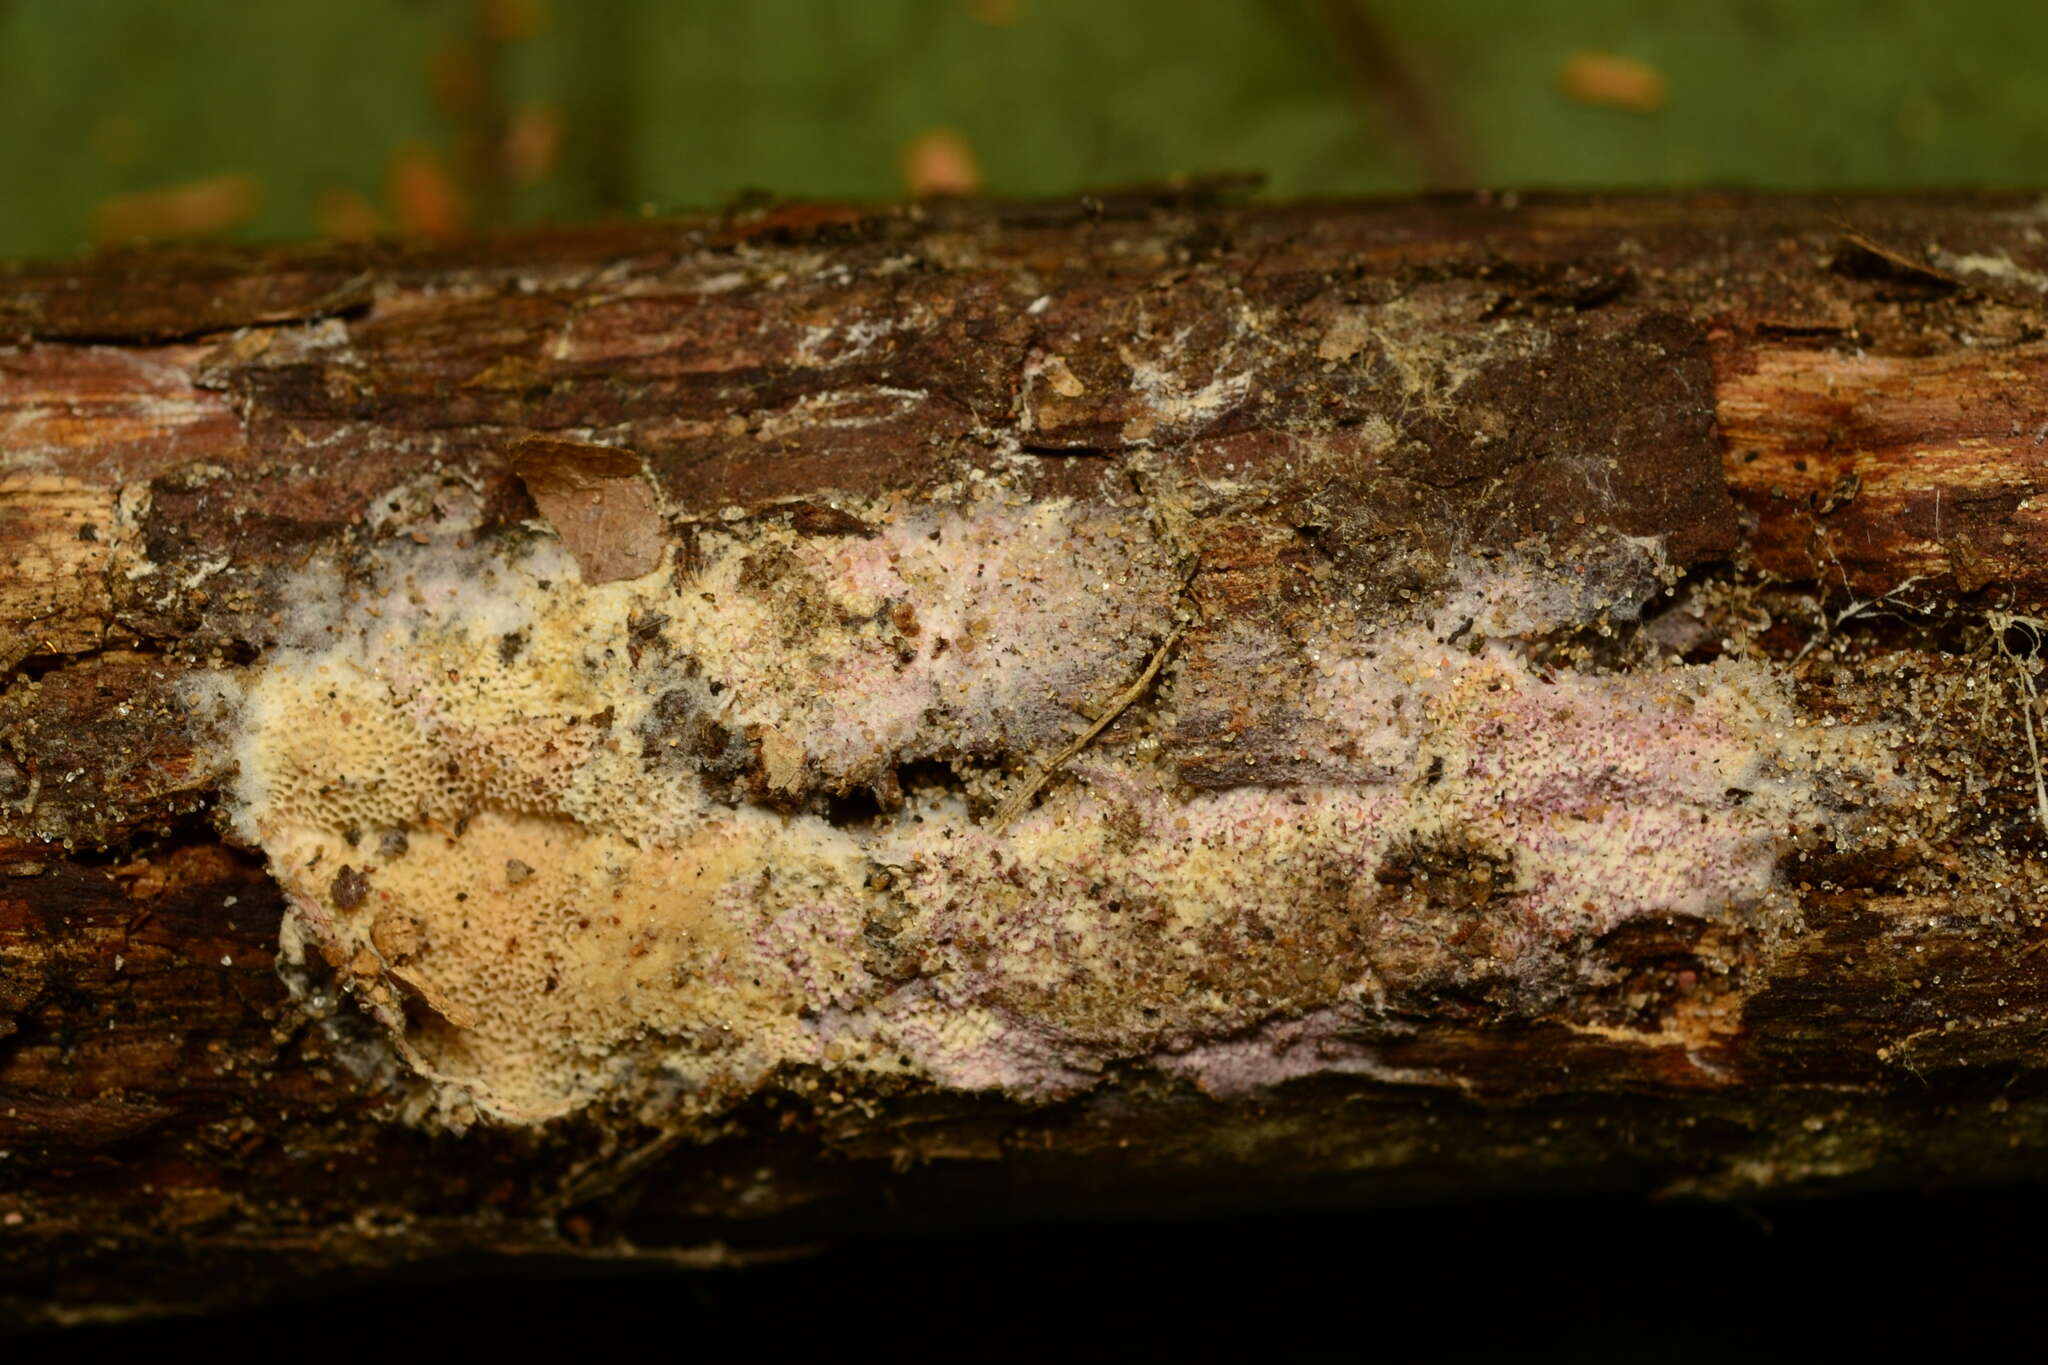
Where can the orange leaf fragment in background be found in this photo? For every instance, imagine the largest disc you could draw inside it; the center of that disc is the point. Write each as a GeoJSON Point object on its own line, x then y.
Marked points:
{"type": "Point", "coordinates": [346, 215]}
{"type": "Point", "coordinates": [940, 162]}
{"type": "Point", "coordinates": [1617, 82]}
{"type": "Point", "coordinates": [193, 209]}
{"type": "Point", "coordinates": [533, 140]}
{"type": "Point", "coordinates": [423, 194]}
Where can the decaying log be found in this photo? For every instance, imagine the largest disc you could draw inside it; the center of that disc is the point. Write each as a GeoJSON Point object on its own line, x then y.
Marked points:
{"type": "Point", "coordinates": [675, 741]}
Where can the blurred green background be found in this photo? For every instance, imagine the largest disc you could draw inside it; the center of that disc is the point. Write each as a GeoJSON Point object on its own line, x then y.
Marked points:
{"type": "Point", "coordinates": [127, 119]}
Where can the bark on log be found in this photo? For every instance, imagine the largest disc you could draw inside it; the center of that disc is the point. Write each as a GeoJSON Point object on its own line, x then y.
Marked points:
{"type": "Point", "coordinates": [1118, 705]}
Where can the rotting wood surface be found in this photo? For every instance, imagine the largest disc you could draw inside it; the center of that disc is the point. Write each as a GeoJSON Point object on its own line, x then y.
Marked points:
{"type": "Point", "coordinates": [1567, 668]}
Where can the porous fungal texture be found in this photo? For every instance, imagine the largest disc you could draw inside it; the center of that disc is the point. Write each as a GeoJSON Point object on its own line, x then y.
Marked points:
{"type": "Point", "coordinates": [577, 843]}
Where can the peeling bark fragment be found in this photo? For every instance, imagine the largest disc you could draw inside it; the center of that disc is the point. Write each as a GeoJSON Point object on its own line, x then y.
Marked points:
{"type": "Point", "coordinates": [600, 503]}
{"type": "Point", "coordinates": [55, 535]}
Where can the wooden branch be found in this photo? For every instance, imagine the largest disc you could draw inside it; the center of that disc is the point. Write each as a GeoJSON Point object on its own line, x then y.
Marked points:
{"type": "Point", "coordinates": [502, 740]}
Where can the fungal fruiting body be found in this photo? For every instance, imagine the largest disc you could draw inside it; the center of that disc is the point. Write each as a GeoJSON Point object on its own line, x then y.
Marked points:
{"type": "Point", "coordinates": [662, 838]}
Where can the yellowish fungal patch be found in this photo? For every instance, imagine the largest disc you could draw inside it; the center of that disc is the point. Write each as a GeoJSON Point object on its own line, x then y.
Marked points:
{"type": "Point", "coordinates": [572, 842]}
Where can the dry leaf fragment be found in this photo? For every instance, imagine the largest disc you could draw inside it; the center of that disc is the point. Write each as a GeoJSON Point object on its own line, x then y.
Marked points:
{"type": "Point", "coordinates": [1972, 567]}
{"type": "Point", "coordinates": [600, 502]}
{"type": "Point", "coordinates": [782, 760]}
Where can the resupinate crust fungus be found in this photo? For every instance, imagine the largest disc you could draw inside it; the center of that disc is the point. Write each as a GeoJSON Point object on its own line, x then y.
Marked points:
{"type": "Point", "coordinates": [654, 840]}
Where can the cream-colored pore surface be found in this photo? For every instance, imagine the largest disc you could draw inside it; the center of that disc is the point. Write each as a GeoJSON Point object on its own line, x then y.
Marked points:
{"type": "Point", "coordinates": [471, 779]}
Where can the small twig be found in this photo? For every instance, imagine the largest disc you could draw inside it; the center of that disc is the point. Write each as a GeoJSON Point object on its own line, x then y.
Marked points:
{"type": "Point", "coordinates": [1023, 795]}
{"type": "Point", "coordinates": [2000, 623]}
{"type": "Point", "coordinates": [606, 1177]}
{"type": "Point", "coordinates": [1898, 260]}
{"type": "Point", "coordinates": [1856, 607]}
